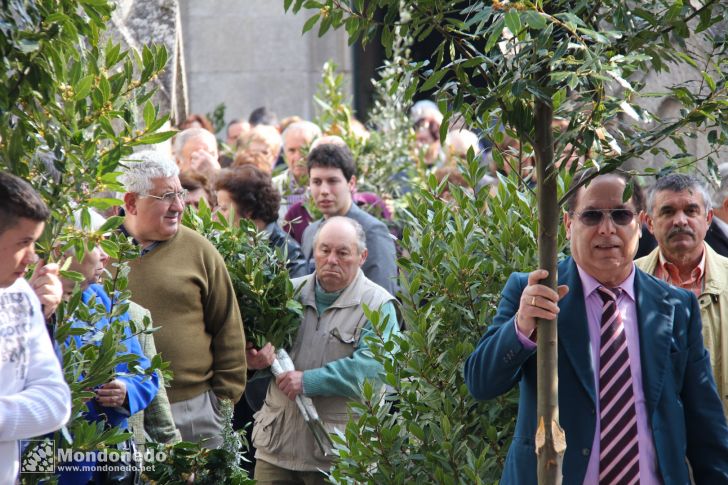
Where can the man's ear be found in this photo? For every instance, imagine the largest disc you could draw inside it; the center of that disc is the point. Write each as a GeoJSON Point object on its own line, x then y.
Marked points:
{"type": "Point", "coordinates": [710, 216]}
{"type": "Point", "coordinates": [352, 184]}
{"type": "Point", "coordinates": [363, 257]}
{"type": "Point", "coordinates": [130, 202]}
{"type": "Point", "coordinates": [647, 220]}
{"type": "Point", "coordinates": [567, 224]}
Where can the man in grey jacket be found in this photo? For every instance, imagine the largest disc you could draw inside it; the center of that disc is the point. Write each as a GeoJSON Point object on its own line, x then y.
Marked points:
{"type": "Point", "coordinates": [332, 180]}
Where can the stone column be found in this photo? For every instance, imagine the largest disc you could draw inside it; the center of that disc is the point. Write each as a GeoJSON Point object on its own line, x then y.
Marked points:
{"type": "Point", "coordinates": [139, 22]}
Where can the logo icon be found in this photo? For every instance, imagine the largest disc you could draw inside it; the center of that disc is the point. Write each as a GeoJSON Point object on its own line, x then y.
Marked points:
{"type": "Point", "coordinates": [38, 457]}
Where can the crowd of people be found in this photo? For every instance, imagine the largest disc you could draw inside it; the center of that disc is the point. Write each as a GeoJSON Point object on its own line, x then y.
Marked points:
{"type": "Point", "coordinates": [643, 383]}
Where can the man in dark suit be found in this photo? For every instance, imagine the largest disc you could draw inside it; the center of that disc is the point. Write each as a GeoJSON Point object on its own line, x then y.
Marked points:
{"type": "Point", "coordinates": [637, 397]}
{"type": "Point", "coordinates": [717, 235]}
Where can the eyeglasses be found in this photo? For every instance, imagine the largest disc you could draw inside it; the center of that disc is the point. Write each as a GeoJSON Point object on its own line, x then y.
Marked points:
{"type": "Point", "coordinates": [593, 217]}
{"type": "Point", "coordinates": [169, 197]}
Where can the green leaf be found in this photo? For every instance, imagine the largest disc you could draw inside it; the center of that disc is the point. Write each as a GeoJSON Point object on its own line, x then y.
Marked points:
{"type": "Point", "coordinates": [594, 35]}
{"type": "Point", "coordinates": [513, 21]}
{"type": "Point", "coordinates": [105, 88]}
{"type": "Point", "coordinates": [628, 191]}
{"type": "Point", "coordinates": [104, 203]}
{"type": "Point", "coordinates": [310, 23]}
{"type": "Point", "coordinates": [558, 98]}
{"type": "Point", "coordinates": [149, 114]}
{"type": "Point", "coordinates": [535, 20]}
{"type": "Point", "coordinates": [85, 218]}
{"type": "Point", "coordinates": [709, 80]}
{"type": "Point", "coordinates": [26, 46]}
{"type": "Point", "coordinates": [325, 25]}
{"type": "Point", "coordinates": [154, 138]}
{"type": "Point", "coordinates": [495, 35]}
{"type": "Point", "coordinates": [83, 87]}
{"type": "Point", "coordinates": [110, 248]}
{"type": "Point", "coordinates": [433, 79]}
{"type": "Point", "coordinates": [73, 276]}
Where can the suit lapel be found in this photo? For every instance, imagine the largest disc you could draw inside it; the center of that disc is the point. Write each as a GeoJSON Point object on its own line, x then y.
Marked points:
{"type": "Point", "coordinates": [574, 327]}
{"type": "Point", "coordinates": [655, 321]}
{"type": "Point", "coordinates": [716, 239]}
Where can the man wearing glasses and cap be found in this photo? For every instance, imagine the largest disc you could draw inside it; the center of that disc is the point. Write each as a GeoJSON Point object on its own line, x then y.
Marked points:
{"type": "Point", "coordinates": [638, 401]}
{"type": "Point", "coordinates": [182, 279]}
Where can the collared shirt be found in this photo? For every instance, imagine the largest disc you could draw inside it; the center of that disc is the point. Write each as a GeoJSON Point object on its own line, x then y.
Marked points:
{"type": "Point", "coordinates": [627, 306]}
{"type": "Point", "coordinates": [670, 273]}
{"type": "Point", "coordinates": [145, 250]}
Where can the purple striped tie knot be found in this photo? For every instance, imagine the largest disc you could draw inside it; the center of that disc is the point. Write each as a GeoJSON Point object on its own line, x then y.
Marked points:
{"type": "Point", "coordinates": [619, 448]}
{"type": "Point", "coordinates": [609, 294]}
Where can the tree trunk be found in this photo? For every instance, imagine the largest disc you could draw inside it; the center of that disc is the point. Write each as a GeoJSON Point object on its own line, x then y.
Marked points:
{"type": "Point", "coordinates": [550, 439]}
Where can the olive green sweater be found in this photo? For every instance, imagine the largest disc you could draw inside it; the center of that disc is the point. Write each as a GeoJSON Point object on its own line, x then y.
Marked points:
{"type": "Point", "coordinates": [185, 285]}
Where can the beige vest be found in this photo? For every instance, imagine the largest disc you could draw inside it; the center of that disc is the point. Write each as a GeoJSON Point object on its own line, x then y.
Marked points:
{"type": "Point", "coordinates": [279, 433]}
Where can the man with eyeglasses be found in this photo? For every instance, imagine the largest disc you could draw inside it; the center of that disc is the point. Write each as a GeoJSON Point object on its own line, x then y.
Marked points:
{"type": "Point", "coordinates": [636, 394]}
{"type": "Point", "coordinates": [678, 214]}
{"type": "Point", "coordinates": [182, 279]}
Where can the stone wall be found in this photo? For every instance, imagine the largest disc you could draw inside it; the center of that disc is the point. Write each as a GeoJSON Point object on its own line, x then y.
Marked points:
{"type": "Point", "coordinates": [667, 109]}
{"type": "Point", "coordinates": [250, 53]}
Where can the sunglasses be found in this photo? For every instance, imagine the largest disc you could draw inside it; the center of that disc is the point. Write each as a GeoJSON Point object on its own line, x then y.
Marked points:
{"type": "Point", "coordinates": [593, 217]}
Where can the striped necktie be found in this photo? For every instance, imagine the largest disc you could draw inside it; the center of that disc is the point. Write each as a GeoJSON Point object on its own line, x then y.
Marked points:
{"type": "Point", "coordinates": [619, 448]}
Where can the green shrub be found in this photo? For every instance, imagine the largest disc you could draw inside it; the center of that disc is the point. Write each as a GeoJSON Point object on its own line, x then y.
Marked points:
{"type": "Point", "coordinates": [457, 258]}
{"type": "Point", "coordinates": [72, 105]}
{"type": "Point", "coordinates": [258, 272]}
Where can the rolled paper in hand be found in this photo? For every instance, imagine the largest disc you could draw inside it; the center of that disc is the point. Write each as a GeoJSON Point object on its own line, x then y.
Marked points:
{"type": "Point", "coordinates": [284, 363]}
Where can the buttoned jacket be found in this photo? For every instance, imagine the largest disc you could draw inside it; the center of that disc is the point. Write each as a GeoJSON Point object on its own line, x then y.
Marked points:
{"type": "Point", "coordinates": [685, 412]}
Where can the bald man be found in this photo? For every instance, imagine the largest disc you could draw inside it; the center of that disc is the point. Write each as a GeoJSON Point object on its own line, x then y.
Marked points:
{"type": "Point", "coordinates": [331, 356]}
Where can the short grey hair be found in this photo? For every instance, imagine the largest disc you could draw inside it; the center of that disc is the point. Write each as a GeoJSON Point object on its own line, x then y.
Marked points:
{"type": "Point", "coordinates": [361, 237]}
{"type": "Point", "coordinates": [677, 182]}
{"type": "Point", "coordinates": [141, 167]}
{"type": "Point", "coordinates": [311, 130]}
{"type": "Point", "coordinates": [722, 192]}
{"type": "Point", "coordinates": [181, 139]}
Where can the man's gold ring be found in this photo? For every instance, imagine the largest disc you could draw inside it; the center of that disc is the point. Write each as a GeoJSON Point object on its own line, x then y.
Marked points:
{"type": "Point", "coordinates": [533, 301]}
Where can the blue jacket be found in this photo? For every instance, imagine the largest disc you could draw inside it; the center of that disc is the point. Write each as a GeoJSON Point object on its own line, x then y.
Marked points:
{"type": "Point", "coordinates": [139, 390]}
{"type": "Point", "coordinates": [682, 401]}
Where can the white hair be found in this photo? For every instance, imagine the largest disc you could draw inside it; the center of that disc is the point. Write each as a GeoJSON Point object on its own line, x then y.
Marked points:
{"type": "Point", "coordinates": [457, 143]}
{"type": "Point", "coordinates": [425, 109]}
{"type": "Point", "coordinates": [329, 140]}
{"type": "Point", "coordinates": [310, 130]}
{"type": "Point", "coordinates": [141, 167]}
{"type": "Point", "coordinates": [181, 139]}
